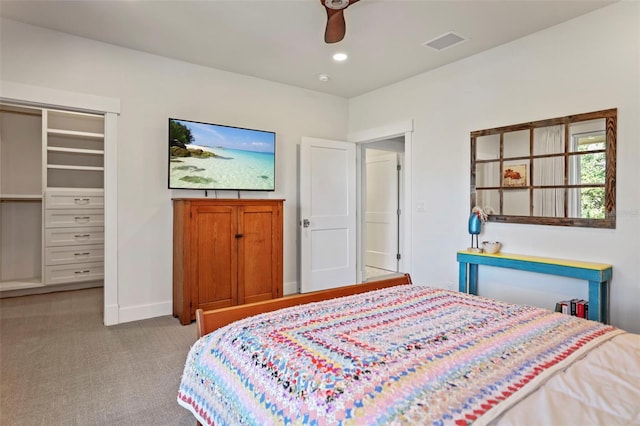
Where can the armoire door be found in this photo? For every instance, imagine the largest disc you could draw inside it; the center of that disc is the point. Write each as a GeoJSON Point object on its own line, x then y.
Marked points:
{"type": "Point", "coordinates": [259, 252]}
{"type": "Point", "coordinates": [214, 260]}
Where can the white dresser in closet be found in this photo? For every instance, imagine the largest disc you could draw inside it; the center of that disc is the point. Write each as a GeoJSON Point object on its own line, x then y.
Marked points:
{"type": "Point", "coordinates": [74, 235]}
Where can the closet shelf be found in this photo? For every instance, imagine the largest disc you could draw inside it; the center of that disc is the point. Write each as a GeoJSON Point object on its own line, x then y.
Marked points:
{"type": "Point", "coordinates": [75, 134]}
{"type": "Point", "coordinates": [76, 150]}
{"type": "Point", "coordinates": [67, 167]}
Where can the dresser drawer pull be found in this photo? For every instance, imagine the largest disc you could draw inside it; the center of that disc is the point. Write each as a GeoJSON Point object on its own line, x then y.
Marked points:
{"type": "Point", "coordinates": [86, 271]}
{"type": "Point", "coordinates": [81, 254]}
{"type": "Point", "coordinates": [82, 235]}
{"type": "Point", "coordinates": [82, 217]}
{"type": "Point", "coordinates": [81, 200]}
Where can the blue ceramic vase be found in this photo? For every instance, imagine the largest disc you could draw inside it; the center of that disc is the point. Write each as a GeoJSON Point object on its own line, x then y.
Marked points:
{"type": "Point", "coordinates": [475, 225]}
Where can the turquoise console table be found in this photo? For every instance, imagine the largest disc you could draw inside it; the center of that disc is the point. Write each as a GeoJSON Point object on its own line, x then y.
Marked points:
{"type": "Point", "coordinates": [597, 274]}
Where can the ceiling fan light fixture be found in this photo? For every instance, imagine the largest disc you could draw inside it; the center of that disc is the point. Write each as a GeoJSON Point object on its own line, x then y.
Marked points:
{"type": "Point", "coordinates": [445, 41]}
{"type": "Point", "coordinates": [340, 57]}
{"type": "Point", "coordinates": [336, 26]}
{"type": "Point", "coordinates": [336, 4]}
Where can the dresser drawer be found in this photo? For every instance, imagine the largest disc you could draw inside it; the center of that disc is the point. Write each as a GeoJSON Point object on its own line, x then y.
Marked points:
{"type": "Point", "coordinates": [74, 200]}
{"type": "Point", "coordinates": [66, 218]}
{"type": "Point", "coordinates": [73, 236]}
{"type": "Point", "coordinates": [64, 255]}
{"type": "Point", "coordinates": [78, 272]}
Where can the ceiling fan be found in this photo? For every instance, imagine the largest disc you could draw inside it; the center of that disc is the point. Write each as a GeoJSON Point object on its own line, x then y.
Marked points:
{"type": "Point", "coordinates": [336, 26]}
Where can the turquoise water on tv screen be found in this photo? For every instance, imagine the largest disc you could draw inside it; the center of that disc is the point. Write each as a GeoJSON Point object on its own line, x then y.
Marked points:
{"type": "Point", "coordinates": [230, 169]}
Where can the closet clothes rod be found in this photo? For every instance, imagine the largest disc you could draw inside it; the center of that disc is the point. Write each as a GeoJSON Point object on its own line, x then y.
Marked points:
{"type": "Point", "coordinates": [20, 199]}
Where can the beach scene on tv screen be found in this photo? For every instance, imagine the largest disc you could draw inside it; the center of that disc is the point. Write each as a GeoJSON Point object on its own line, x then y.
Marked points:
{"type": "Point", "coordinates": [209, 156]}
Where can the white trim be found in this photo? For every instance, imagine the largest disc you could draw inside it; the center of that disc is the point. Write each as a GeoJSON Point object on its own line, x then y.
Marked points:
{"type": "Point", "coordinates": [403, 128]}
{"type": "Point", "coordinates": [361, 187]}
{"type": "Point", "coordinates": [150, 310]}
{"type": "Point", "coordinates": [111, 219]}
{"type": "Point", "coordinates": [382, 132]}
{"type": "Point", "coordinates": [290, 288]}
{"type": "Point", "coordinates": [111, 314]}
{"type": "Point", "coordinates": [45, 97]}
{"type": "Point", "coordinates": [406, 263]}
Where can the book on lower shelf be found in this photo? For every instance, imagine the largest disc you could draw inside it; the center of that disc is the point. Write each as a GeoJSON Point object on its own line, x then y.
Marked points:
{"type": "Point", "coordinates": [575, 307]}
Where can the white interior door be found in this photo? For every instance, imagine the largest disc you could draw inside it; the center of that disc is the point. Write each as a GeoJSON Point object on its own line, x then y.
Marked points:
{"type": "Point", "coordinates": [381, 215]}
{"type": "Point", "coordinates": [327, 214]}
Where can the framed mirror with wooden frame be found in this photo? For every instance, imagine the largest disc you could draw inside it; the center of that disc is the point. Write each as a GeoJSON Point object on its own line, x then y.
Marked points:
{"type": "Point", "coordinates": [559, 171]}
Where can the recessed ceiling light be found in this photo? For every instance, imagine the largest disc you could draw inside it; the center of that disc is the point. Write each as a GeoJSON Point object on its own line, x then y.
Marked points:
{"type": "Point", "coordinates": [323, 77]}
{"type": "Point", "coordinates": [340, 57]}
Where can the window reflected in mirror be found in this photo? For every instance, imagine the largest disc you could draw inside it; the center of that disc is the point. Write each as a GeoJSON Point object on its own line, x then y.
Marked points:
{"type": "Point", "coordinates": [558, 171]}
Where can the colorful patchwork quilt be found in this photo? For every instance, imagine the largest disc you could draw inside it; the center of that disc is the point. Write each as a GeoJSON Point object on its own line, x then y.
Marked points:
{"type": "Point", "coordinates": [402, 355]}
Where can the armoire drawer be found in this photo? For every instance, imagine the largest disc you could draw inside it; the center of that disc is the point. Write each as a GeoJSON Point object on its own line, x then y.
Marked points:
{"type": "Point", "coordinates": [78, 272]}
{"type": "Point", "coordinates": [74, 200]}
{"type": "Point", "coordinates": [67, 218]}
{"type": "Point", "coordinates": [73, 236]}
{"type": "Point", "coordinates": [65, 255]}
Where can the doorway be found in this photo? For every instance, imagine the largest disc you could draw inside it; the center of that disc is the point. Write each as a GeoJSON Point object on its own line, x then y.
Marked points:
{"type": "Point", "coordinates": [398, 135]}
{"type": "Point", "coordinates": [41, 97]}
{"type": "Point", "coordinates": [392, 138]}
{"type": "Point", "coordinates": [382, 199]}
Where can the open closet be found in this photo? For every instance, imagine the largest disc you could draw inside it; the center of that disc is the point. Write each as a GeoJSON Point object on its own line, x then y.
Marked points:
{"type": "Point", "coordinates": [51, 199]}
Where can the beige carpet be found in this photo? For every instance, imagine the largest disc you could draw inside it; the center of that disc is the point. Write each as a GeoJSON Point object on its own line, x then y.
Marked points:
{"type": "Point", "coordinates": [373, 273]}
{"type": "Point", "coordinates": [59, 365]}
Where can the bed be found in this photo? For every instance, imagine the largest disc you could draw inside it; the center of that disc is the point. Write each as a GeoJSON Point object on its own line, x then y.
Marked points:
{"type": "Point", "coordinates": [389, 352]}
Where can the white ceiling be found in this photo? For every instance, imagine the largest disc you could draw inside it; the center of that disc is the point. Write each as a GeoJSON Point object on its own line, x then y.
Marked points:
{"type": "Point", "coordinates": [283, 41]}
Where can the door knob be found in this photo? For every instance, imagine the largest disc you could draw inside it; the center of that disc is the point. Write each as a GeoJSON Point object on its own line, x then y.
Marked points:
{"type": "Point", "coordinates": [305, 223]}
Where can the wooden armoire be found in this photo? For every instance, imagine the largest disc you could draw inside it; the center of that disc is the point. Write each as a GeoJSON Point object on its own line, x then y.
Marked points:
{"type": "Point", "coordinates": [225, 252]}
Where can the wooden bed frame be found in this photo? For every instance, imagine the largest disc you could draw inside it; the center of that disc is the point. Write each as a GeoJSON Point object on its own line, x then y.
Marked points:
{"type": "Point", "coordinates": [208, 321]}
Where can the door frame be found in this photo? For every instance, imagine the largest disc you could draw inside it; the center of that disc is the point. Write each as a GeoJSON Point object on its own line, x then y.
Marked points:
{"type": "Point", "coordinates": [398, 129]}
{"type": "Point", "coordinates": [44, 97]}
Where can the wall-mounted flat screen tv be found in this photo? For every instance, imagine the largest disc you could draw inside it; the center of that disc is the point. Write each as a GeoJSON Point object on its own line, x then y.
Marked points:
{"type": "Point", "coordinates": [216, 157]}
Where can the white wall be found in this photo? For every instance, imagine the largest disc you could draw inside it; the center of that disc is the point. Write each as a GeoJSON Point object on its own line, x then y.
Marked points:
{"type": "Point", "coordinates": [151, 89]}
{"type": "Point", "coordinates": [587, 64]}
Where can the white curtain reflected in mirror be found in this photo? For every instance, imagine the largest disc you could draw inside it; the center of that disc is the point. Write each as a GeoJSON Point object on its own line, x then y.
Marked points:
{"type": "Point", "coordinates": [488, 175]}
{"type": "Point", "coordinates": [549, 172]}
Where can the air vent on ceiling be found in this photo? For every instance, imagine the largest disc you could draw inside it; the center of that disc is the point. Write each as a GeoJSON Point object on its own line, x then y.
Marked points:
{"type": "Point", "coordinates": [445, 41]}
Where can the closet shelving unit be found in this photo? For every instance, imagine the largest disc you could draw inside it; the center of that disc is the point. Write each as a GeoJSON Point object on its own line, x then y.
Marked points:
{"type": "Point", "coordinates": [74, 149]}
{"type": "Point", "coordinates": [51, 189]}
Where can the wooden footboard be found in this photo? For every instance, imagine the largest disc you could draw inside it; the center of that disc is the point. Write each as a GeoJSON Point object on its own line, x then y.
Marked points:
{"type": "Point", "coordinates": [207, 321]}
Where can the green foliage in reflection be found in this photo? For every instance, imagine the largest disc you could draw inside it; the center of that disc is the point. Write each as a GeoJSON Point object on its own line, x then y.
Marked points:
{"type": "Point", "coordinates": [592, 170]}
{"type": "Point", "coordinates": [593, 203]}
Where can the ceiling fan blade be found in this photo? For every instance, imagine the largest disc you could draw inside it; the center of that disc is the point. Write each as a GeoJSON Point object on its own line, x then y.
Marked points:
{"type": "Point", "coordinates": [336, 27]}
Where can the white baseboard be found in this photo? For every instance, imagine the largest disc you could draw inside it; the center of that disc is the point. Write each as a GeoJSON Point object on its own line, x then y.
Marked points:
{"type": "Point", "coordinates": [290, 288]}
{"type": "Point", "coordinates": [140, 312]}
{"type": "Point", "coordinates": [115, 315]}
{"type": "Point", "coordinates": [111, 316]}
